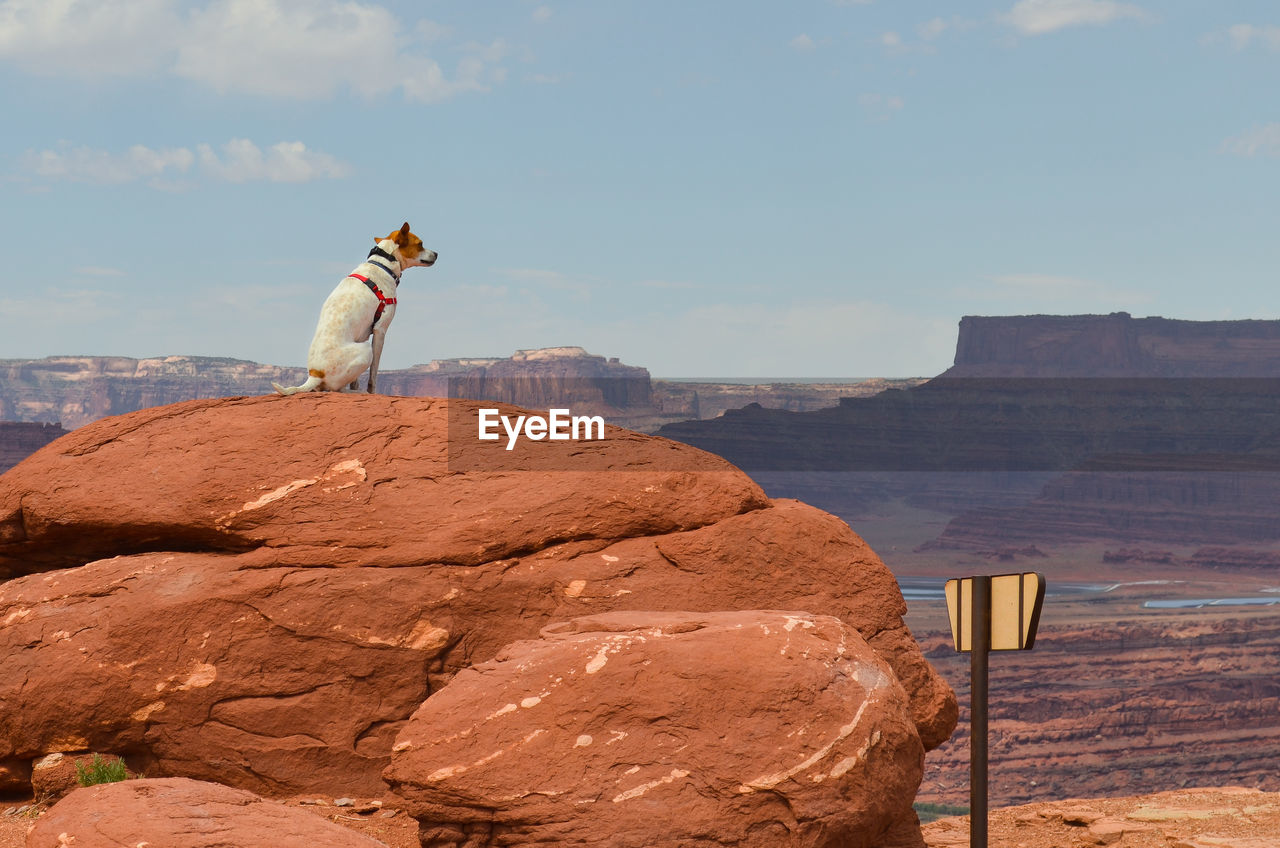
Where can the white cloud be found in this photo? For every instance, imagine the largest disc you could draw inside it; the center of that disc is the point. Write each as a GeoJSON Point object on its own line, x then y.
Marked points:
{"type": "Point", "coordinates": [287, 162]}
{"type": "Point", "coordinates": [891, 40]}
{"type": "Point", "coordinates": [1242, 36]}
{"type": "Point", "coordinates": [1259, 141]}
{"type": "Point", "coordinates": [87, 38]}
{"type": "Point", "coordinates": [85, 164]}
{"type": "Point", "coordinates": [542, 14]}
{"type": "Point", "coordinates": [1038, 17]}
{"type": "Point", "coordinates": [802, 42]}
{"type": "Point", "coordinates": [286, 48]}
{"type": "Point", "coordinates": [241, 161]}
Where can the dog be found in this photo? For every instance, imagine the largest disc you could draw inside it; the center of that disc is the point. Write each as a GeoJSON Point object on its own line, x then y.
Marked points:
{"type": "Point", "coordinates": [361, 306]}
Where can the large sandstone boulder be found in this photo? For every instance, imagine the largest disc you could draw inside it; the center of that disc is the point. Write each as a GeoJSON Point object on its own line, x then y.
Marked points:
{"type": "Point", "coordinates": [261, 591]}
{"type": "Point", "coordinates": [179, 813]}
{"type": "Point", "coordinates": [656, 730]}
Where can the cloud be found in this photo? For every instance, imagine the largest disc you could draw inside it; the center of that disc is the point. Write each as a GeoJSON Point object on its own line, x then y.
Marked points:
{"type": "Point", "coordinates": [802, 43]}
{"type": "Point", "coordinates": [303, 49]}
{"type": "Point", "coordinates": [1039, 17]}
{"type": "Point", "coordinates": [1259, 141]}
{"type": "Point", "coordinates": [287, 162]}
{"type": "Point", "coordinates": [1243, 36]}
{"type": "Point", "coordinates": [240, 161]}
{"type": "Point", "coordinates": [542, 14]}
{"type": "Point", "coordinates": [86, 165]}
{"type": "Point", "coordinates": [87, 38]}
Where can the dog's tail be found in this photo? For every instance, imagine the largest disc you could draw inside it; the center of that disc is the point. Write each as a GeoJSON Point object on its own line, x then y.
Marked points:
{"type": "Point", "coordinates": [310, 386]}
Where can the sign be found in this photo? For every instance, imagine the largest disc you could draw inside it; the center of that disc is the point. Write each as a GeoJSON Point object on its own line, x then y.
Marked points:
{"type": "Point", "coordinates": [989, 613]}
{"type": "Point", "coordinates": [1016, 600]}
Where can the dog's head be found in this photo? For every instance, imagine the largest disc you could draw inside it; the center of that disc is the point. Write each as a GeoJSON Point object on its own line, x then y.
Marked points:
{"type": "Point", "coordinates": [408, 248]}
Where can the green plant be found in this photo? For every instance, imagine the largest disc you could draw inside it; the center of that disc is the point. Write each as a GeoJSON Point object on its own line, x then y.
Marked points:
{"type": "Point", "coordinates": [101, 770]}
{"type": "Point", "coordinates": [933, 812]}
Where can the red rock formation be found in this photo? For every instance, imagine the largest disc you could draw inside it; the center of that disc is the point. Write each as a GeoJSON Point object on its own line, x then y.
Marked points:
{"type": "Point", "coordinates": [178, 813]}
{"type": "Point", "coordinates": [259, 591]}
{"type": "Point", "coordinates": [750, 729]}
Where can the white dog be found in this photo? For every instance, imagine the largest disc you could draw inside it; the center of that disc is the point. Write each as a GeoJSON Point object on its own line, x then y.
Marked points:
{"type": "Point", "coordinates": [363, 304]}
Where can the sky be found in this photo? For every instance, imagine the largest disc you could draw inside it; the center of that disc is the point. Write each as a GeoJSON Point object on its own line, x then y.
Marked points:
{"type": "Point", "coordinates": [809, 188]}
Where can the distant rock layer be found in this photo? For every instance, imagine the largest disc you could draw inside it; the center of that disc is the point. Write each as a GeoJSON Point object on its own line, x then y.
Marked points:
{"type": "Point", "coordinates": [75, 390]}
{"type": "Point", "coordinates": [1115, 345]}
{"type": "Point", "coordinates": [1215, 508]}
{"type": "Point", "coordinates": [1130, 707]}
{"type": "Point", "coordinates": [18, 440]}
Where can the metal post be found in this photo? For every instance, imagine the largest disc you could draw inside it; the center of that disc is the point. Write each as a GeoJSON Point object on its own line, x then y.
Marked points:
{"type": "Point", "coordinates": [981, 644]}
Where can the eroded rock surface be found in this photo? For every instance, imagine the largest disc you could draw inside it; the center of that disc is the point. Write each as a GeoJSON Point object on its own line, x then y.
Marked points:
{"type": "Point", "coordinates": [260, 591]}
{"type": "Point", "coordinates": [641, 730]}
{"type": "Point", "coordinates": [1226, 817]}
{"type": "Point", "coordinates": [179, 813]}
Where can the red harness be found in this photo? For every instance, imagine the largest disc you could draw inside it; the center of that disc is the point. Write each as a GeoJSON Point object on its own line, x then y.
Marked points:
{"type": "Point", "coordinates": [383, 301]}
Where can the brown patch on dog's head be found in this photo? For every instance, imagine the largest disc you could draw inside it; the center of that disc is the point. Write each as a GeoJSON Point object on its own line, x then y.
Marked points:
{"type": "Point", "coordinates": [409, 246]}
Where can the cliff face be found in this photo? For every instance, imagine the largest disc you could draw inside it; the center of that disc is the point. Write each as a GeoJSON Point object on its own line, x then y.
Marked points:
{"type": "Point", "coordinates": [1163, 431]}
{"type": "Point", "coordinates": [563, 376]}
{"type": "Point", "coordinates": [75, 390]}
{"type": "Point", "coordinates": [18, 440]}
{"type": "Point", "coordinates": [1115, 345]}
{"type": "Point", "coordinates": [1134, 705]}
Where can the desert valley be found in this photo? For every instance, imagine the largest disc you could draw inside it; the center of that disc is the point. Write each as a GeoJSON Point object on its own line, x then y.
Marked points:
{"type": "Point", "coordinates": [1131, 461]}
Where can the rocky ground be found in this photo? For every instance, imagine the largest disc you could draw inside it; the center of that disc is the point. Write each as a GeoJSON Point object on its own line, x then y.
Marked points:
{"type": "Point", "coordinates": [380, 818]}
{"type": "Point", "coordinates": [1230, 817]}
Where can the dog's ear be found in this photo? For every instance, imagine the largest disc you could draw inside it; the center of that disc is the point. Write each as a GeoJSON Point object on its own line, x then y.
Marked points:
{"type": "Point", "coordinates": [402, 237]}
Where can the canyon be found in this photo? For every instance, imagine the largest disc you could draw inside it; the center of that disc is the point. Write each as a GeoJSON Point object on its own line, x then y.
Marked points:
{"type": "Point", "coordinates": [75, 390]}
{"type": "Point", "coordinates": [1134, 453]}
{"type": "Point", "coordinates": [1118, 698]}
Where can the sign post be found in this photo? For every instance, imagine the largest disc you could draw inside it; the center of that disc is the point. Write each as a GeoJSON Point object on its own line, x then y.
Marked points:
{"type": "Point", "coordinates": [989, 613]}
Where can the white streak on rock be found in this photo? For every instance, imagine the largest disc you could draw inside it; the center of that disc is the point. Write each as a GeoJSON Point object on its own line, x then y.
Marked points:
{"type": "Point", "coordinates": [599, 660]}
{"type": "Point", "coordinates": [769, 781]}
{"type": "Point", "coordinates": [636, 792]}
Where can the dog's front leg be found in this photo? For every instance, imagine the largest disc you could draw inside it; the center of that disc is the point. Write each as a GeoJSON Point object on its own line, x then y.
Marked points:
{"type": "Point", "coordinates": [379, 336]}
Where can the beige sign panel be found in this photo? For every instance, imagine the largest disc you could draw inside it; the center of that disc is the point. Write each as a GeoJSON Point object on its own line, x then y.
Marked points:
{"type": "Point", "coordinates": [1016, 600]}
